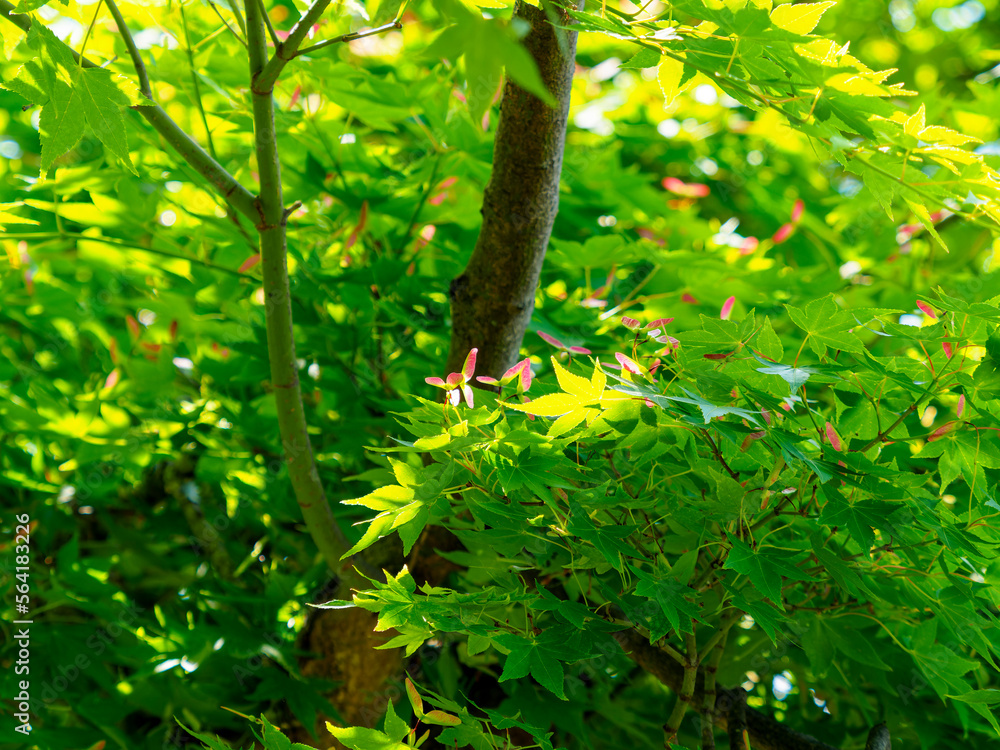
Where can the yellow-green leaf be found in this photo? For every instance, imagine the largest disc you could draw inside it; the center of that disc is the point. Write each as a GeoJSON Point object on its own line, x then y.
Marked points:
{"type": "Point", "coordinates": [384, 498]}
{"type": "Point", "coordinates": [440, 717]}
{"type": "Point", "coordinates": [799, 19]}
{"type": "Point", "coordinates": [915, 123]}
{"type": "Point", "coordinates": [670, 73]}
{"type": "Point", "coordinates": [598, 380]}
{"type": "Point", "coordinates": [552, 405]}
{"type": "Point", "coordinates": [570, 383]}
{"type": "Point", "coordinates": [924, 217]}
{"type": "Point", "coordinates": [567, 422]}
{"type": "Point", "coordinates": [360, 738]}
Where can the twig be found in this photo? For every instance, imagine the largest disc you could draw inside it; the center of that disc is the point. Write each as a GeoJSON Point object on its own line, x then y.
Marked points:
{"type": "Point", "coordinates": [194, 83]}
{"type": "Point", "coordinates": [265, 78]}
{"type": "Point", "coordinates": [716, 646]}
{"type": "Point", "coordinates": [350, 37]}
{"type": "Point", "coordinates": [718, 456]}
{"type": "Point", "coordinates": [765, 732]}
{"type": "Point", "coordinates": [133, 51]}
{"type": "Point", "coordinates": [90, 28]}
{"type": "Point", "coordinates": [424, 195]}
{"type": "Point", "coordinates": [41, 236]}
{"type": "Point", "coordinates": [225, 23]}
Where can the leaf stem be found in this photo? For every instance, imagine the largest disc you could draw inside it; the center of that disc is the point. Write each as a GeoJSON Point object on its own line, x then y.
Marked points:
{"type": "Point", "coordinates": [267, 22]}
{"type": "Point", "coordinates": [90, 28]}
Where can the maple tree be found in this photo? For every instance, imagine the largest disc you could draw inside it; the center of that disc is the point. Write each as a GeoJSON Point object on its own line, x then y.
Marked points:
{"type": "Point", "coordinates": [752, 493]}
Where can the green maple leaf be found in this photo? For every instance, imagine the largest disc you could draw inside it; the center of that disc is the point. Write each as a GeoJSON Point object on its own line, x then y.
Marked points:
{"type": "Point", "coordinates": [710, 411]}
{"type": "Point", "coordinates": [26, 6]}
{"type": "Point", "coordinates": [528, 656]}
{"type": "Point", "coordinates": [70, 95]}
{"type": "Point", "coordinates": [102, 103]}
{"type": "Point", "coordinates": [360, 738]}
{"type": "Point", "coordinates": [669, 595]}
{"type": "Point", "coordinates": [826, 324]}
{"type": "Point", "coordinates": [764, 568]}
{"type": "Point", "coordinates": [60, 124]}
{"type": "Point", "coordinates": [860, 518]}
{"type": "Point", "coordinates": [796, 377]}
{"type": "Point", "coordinates": [763, 614]}
{"type": "Point", "coordinates": [965, 453]}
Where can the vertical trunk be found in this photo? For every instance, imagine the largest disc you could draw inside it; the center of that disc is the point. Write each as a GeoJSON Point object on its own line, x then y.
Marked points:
{"type": "Point", "coordinates": [271, 218]}
{"type": "Point", "coordinates": [492, 300]}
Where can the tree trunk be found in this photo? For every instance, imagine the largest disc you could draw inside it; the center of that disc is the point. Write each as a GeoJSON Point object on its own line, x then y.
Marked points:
{"type": "Point", "coordinates": [492, 300]}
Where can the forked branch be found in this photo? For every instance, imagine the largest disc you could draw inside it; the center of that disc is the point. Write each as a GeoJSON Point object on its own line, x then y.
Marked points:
{"type": "Point", "coordinates": [232, 191]}
{"type": "Point", "coordinates": [265, 78]}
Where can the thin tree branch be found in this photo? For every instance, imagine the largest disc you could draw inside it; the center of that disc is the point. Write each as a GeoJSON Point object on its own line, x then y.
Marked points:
{"type": "Point", "coordinates": [271, 224]}
{"type": "Point", "coordinates": [685, 695]}
{"type": "Point", "coordinates": [226, 24]}
{"type": "Point", "coordinates": [133, 51]}
{"type": "Point", "coordinates": [196, 85]}
{"type": "Point", "coordinates": [235, 194]}
{"type": "Point", "coordinates": [234, 6]}
{"type": "Point", "coordinates": [350, 37]}
{"type": "Point", "coordinates": [267, 75]}
{"type": "Point", "coordinates": [765, 732]}
{"type": "Point", "coordinates": [714, 648]}
{"type": "Point", "coordinates": [238, 196]}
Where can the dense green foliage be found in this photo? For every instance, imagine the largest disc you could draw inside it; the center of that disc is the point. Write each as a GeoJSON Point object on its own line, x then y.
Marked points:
{"type": "Point", "coordinates": [809, 476]}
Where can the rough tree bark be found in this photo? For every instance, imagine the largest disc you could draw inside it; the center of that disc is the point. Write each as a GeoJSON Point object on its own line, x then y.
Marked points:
{"type": "Point", "coordinates": [492, 300]}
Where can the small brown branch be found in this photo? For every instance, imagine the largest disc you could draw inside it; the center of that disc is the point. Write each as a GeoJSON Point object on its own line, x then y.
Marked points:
{"type": "Point", "coordinates": [718, 456]}
{"type": "Point", "coordinates": [885, 433]}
